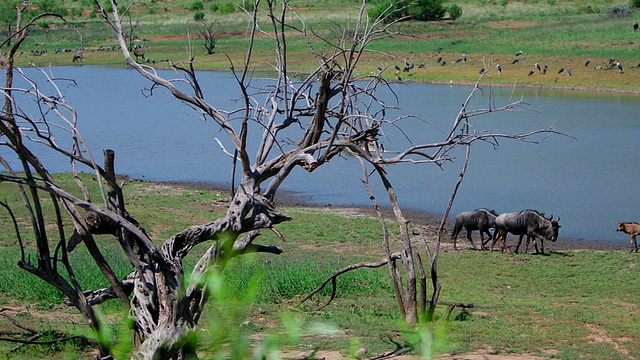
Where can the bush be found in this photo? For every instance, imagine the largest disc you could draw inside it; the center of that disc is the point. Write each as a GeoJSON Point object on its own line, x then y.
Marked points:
{"type": "Point", "coordinates": [427, 10]}
{"type": "Point", "coordinates": [196, 5]}
{"type": "Point", "coordinates": [420, 10]}
{"type": "Point", "coordinates": [385, 8]}
{"type": "Point", "coordinates": [454, 11]}
{"type": "Point", "coordinates": [227, 8]}
{"type": "Point", "coordinates": [635, 4]}
{"type": "Point", "coordinates": [199, 16]}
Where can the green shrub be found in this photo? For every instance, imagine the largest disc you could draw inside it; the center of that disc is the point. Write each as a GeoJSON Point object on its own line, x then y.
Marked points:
{"type": "Point", "coordinates": [107, 6]}
{"type": "Point", "coordinates": [51, 6]}
{"type": "Point", "coordinates": [454, 11]}
{"type": "Point", "coordinates": [199, 16]}
{"type": "Point", "coordinates": [249, 6]}
{"type": "Point", "coordinates": [427, 10]}
{"type": "Point", "coordinates": [382, 9]}
{"type": "Point", "coordinates": [227, 8]}
{"type": "Point", "coordinates": [635, 3]}
{"type": "Point", "coordinates": [196, 5]}
{"type": "Point", "coordinates": [213, 7]}
{"type": "Point", "coordinates": [419, 10]}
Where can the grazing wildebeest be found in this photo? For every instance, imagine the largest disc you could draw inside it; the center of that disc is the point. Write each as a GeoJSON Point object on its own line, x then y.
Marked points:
{"type": "Point", "coordinates": [479, 219]}
{"type": "Point", "coordinates": [526, 222]}
{"type": "Point", "coordinates": [633, 229]}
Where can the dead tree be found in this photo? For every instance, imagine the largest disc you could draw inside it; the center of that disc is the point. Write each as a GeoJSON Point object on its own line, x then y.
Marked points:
{"type": "Point", "coordinates": [303, 123]}
{"type": "Point", "coordinates": [210, 36]}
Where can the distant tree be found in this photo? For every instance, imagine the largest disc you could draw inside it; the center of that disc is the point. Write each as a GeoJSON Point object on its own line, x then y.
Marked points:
{"type": "Point", "coordinates": [210, 36]}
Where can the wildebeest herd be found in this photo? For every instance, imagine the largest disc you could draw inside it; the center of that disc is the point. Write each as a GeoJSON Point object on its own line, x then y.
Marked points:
{"type": "Point", "coordinates": [530, 223]}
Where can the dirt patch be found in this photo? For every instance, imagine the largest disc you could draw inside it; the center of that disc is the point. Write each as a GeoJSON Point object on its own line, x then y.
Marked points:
{"type": "Point", "coordinates": [599, 335]}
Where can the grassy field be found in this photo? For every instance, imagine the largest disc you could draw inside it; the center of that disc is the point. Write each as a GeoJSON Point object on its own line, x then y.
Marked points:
{"type": "Point", "coordinates": [566, 305]}
{"type": "Point", "coordinates": [561, 34]}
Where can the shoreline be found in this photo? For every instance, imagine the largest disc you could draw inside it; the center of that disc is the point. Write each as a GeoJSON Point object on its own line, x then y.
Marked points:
{"type": "Point", "coordinates": [534, 86]}
{"type": "Point", "coordinates": [295, 200]}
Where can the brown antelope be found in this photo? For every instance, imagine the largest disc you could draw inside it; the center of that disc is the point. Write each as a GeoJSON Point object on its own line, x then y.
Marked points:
{"type": "Point", "coordinates": [633, 229]}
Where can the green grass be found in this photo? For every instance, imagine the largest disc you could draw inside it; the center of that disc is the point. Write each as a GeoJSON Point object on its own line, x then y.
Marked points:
{"type": "Point", "coordinates": [563, 304]}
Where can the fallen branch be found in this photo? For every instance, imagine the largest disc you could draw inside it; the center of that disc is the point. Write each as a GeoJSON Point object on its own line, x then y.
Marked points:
{"type": "Point", "coordinates": [465, 306]}
{"type": "Point", "coordinates": [34, 335]}
{"type": "Point", "coordinates": [334, 276]}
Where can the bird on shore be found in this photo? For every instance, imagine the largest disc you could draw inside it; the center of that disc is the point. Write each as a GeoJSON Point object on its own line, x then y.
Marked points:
{"type": "Point", "coordinates": [500, 68]}
{"type": "Point", "coordinates": [545, 68]}
{"type": "Point", "coordinates": [537, 66]}
{"type": "Point", "coordinates": [561, 71]}
{"type": "Point", "coordinates": [515, 60]}
{"type": "Point", "coordinates": [587, 62]}
{"type": "Point", "coordinates": [531, 72]}
{"type": "Point", "coordinates": [569, 72]}
{"type": "Point", "coordinates": [519, 53]}
{"type": "Point", "coordinates": [439, 59]}
{"type": "Point", "coordinates": [481, 70]}
{"type": "Point", "coordinates": [619, 66]}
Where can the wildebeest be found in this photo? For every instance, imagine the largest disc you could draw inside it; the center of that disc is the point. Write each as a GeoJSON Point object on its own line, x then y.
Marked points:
{"type": "Point", "coordinates": [526, 222]}
{"type": "Point", "coordinates": [633, 229]}
{"type": "Point", "coordinates": [479, 219]}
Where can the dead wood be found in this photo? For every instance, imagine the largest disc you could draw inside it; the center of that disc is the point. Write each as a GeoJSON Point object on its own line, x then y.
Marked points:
{"type": "Point", "coordinates": [344, 270]}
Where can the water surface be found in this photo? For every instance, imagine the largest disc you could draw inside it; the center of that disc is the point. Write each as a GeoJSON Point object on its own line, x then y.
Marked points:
{"type": "Point", "coordinates": [587, 178]}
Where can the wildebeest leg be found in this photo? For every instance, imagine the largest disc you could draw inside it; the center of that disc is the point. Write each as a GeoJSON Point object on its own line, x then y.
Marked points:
{"type": "Point", "coordinates": [471, 240]}
{"type": "Point", "coordinates": [496, 238]}
{"type": "Point", "coordinates": [482, 242]}
{"type": "Point", "coordinates": [520, 241]}
{"type": "Point", "coordinates": [535, 244]}
{"type": "Point", "coordinates": [491, 237]}
{"type": "Point", "coordinates": [454, 235]}
{"type": "Point", "coordinates": [503, 241]}
{"type": "Point", "coordinates": [634, 244]}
